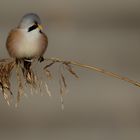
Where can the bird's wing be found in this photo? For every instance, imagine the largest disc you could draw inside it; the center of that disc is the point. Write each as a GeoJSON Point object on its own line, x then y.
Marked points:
{"type": "Point", "coordinates": [12, 39]}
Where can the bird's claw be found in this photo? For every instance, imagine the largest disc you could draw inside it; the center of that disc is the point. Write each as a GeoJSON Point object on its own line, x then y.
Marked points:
{"type": "Point", "coordinates": [41, 59]}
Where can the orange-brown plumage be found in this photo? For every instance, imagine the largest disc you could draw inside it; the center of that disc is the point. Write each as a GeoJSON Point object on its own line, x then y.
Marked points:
{"type": "Point", "coordinates": [15, 40]}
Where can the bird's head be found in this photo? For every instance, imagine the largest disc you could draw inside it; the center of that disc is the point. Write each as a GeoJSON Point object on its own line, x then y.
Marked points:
{"type": "Point", "coordinates": [30, 22]}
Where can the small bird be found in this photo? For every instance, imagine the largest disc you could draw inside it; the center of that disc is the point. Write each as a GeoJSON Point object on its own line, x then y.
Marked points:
{"type": "Point", "coordinates": [27, 41]}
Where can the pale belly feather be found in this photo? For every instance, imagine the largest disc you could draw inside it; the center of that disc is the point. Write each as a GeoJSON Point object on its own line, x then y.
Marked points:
{"type": "Point", "coordinates": [29, 46]}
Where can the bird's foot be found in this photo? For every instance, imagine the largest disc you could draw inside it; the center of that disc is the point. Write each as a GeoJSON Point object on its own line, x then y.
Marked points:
{"type": "Point", "coordinates": [41, 59]}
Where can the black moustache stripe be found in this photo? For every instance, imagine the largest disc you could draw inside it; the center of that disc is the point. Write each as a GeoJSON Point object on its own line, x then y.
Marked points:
{"type": "Point", "coordinates": [32, 28]}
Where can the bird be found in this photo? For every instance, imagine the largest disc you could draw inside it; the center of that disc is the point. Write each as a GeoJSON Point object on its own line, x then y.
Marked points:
{"type": "Point", "coordinates": [27, 41]}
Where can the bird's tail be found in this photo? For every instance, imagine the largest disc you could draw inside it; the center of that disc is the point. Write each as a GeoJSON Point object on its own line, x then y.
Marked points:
{"type": "Point", "coordinates": [27, 65]}
{"type": "Point", "coordinates": [27, 72]}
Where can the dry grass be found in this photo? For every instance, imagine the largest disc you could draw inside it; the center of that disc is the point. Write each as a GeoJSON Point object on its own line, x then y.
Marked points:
{"type": "Point", "coordinates": [6, 66]}
{"type": "Point", "coordinates": [31, 79]}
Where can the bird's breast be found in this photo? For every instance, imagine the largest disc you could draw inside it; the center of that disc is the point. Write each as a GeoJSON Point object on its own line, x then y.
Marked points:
{"type": "Point", "coordinates": [27, 45]}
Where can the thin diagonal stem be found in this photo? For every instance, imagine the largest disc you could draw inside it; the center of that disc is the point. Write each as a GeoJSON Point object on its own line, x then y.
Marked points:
{"type": "Point", "coordinates": [97, 69]}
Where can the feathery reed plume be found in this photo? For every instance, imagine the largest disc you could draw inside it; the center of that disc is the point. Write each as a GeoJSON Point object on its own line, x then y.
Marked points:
{"type": "Point", "coordinates": [6, 66]}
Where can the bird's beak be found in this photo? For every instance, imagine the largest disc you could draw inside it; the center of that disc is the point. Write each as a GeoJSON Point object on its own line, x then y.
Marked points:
{"type": "Point", "coordinates": [40, 27]}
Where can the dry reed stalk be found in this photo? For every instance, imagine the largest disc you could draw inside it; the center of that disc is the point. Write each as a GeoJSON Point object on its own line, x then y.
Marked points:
{"type": "Point", "coordinates": [94, 68]}
{"type": "Point", "coordinates": [20, 87]}
{"type": "Point", "coordinates": [31, 79]}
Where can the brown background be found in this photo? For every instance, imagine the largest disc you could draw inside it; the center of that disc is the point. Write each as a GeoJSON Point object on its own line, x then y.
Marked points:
{"type": "Point", "coordinates": [96, 32]}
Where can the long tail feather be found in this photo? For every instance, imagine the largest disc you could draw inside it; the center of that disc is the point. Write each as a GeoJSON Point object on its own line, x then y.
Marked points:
{"type": "Point", "coordinates": [27, 65]}
{"type": "Point", "coordinates": [27, 69]}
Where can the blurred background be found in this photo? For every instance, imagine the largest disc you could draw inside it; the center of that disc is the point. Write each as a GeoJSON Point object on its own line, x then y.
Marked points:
{"type": "Point", "coordinates": [96, 32]}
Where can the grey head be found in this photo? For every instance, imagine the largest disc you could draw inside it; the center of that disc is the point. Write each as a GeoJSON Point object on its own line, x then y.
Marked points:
{"type": "Point", "coordinates": [29, 20]}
